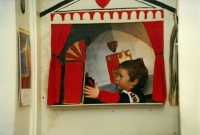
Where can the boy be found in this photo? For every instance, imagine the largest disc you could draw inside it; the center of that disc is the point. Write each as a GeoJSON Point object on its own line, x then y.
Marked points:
{"type": "Point", "coordinates": [132, 76]}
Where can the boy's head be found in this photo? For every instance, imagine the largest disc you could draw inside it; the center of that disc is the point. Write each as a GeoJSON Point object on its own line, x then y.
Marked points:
{"type": "Point", "coordinates": [136, 70]}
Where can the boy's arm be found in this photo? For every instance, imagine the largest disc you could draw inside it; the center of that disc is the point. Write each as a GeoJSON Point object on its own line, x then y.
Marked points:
{"type": "Point", "coordinates": [115, 97]}
{"type": "Point", "coordinates": [103, 96]}
{"type": "Point", "coordinates": [108, 97]}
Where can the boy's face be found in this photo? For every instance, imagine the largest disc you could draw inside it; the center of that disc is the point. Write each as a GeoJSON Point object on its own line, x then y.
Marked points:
{"type": "Point", "coordinates": [122, 81]}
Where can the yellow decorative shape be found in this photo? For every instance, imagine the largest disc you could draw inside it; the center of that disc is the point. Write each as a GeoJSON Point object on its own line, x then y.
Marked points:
{"type": "Point", "coordinates": [78, 47]}
{"type": "Point", "coordinates": [109, 59]}
{"type": "Point", "coordinates": [124, 57]}
{"type": "Point", "coordinates": [69, 59]}
{"type": "Point", "coordinates": [70, 51]}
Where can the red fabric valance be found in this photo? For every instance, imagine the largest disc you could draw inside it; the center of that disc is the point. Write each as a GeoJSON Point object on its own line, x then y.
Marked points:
{"type": "Point", "coordinates": [156, 34]}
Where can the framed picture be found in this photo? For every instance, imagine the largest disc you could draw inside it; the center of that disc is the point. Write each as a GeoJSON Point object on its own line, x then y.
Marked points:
{"type": "Point", "coordinates": [25, 74]}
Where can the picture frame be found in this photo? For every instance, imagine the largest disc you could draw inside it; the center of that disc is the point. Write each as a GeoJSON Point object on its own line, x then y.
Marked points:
{"type": "Point", "coordinates": [25, 66]}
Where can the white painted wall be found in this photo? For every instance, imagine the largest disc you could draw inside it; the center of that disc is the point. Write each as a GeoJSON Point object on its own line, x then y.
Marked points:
{"type": "Point", "coordinates": [22, 113]}
{"type": "Point", "coordinates": [15, 119]}
{"type": "Point", "coordinates": [8, 67]}
{"type": "Point", "coordinates": [189, 33]}
{"type": "Point", "coordinates": [149, 120]}
{"type": "Point", "coordinates": [98, 120]}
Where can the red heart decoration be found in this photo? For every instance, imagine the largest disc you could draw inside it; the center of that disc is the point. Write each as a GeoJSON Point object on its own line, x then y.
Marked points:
{"type": "Point", "coordinates": [102, 3]}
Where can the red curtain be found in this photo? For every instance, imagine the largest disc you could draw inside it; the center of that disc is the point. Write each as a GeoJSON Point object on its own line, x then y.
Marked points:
{"type": "Point", "coordinates": [59, 35]}
{"type": "Point", "coordinates": [156, 34]}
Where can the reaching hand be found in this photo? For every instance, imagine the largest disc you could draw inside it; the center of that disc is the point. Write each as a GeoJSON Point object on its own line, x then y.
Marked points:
{"type": "Point", "coordinates": [91, 92]}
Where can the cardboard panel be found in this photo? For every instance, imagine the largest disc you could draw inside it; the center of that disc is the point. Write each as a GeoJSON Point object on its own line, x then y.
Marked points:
{"type": "Point", "coordinates": [114, 60]}
{"type": "Point", "coordinates": [73, 82]}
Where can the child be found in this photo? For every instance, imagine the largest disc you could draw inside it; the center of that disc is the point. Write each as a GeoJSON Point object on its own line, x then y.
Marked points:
{"type": "Point", "coordinates": [132, 76]}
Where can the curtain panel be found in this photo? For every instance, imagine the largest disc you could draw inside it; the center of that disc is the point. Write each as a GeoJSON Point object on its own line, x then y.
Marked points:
{"type": "Point", "coordinates": [155, 31]}
{"type": "Point", "coordinates": [59, 36]}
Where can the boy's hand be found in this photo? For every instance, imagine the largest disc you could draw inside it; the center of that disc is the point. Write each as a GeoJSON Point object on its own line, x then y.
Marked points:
{"type": "Point", "coordinates": [91, 92]}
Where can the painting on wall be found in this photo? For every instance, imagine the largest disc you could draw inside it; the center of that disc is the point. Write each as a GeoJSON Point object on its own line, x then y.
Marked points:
{"type": "Point", "coordinates": [24, 65]}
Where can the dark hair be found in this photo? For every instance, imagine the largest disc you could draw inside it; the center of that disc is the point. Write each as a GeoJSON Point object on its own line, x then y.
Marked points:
{"type": "Point", "coordinates": [136, 69]}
